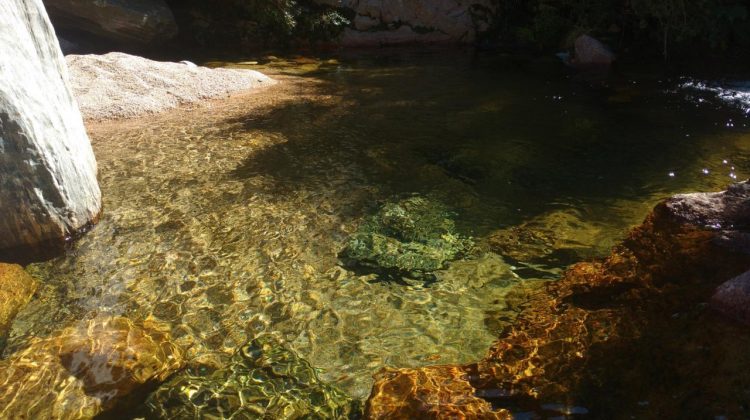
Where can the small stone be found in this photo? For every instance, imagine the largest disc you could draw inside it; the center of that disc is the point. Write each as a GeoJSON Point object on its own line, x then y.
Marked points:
{"type": "Point", "coordinates": [733, 298]}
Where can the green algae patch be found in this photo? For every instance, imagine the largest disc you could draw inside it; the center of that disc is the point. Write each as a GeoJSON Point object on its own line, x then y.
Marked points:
{"type": "Point", "coordinates": [412, 237]}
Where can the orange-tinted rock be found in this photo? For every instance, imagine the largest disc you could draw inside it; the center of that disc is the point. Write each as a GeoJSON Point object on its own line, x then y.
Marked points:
{"type": "Point", "coordinates": [85, 370]}
{"type": "Point", "coordinates": [625, 334]}
{"type": "Point", "coordinates": [436, 392]}
{"type": "Point", "coordinates": [16, 289]}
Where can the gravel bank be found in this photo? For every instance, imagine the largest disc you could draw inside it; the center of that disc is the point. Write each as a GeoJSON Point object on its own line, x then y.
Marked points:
{"type": "Point", "coordinates": [117, 85]}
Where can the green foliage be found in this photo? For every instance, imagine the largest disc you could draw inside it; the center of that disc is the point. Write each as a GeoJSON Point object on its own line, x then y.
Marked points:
{"type": "Point", "coordinates": [268, 23]}
{"type": "Point", "coordinates": [411, 237]}
{"type": "Point", "coordinates": [650, 25]}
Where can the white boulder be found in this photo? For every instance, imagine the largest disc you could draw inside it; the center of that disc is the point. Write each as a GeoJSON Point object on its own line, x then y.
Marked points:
{"type": "Point", "coordinates": [48, 186]}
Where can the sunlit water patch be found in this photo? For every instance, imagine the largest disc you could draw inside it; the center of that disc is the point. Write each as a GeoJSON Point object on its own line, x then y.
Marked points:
{"type": "Point", "coordinates": [227, 222]}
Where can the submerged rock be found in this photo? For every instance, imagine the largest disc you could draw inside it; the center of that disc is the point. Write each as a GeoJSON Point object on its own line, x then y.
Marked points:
{"type": "Point", "coordinates": [139, 22]}
{"type": "Point", "coordinates": [413, 237]}
{"type": "Point", "coordinates": [85, 370]}
{"type": "Point", "coordinates": [48, 185]}
{"type": "Point", "coordinates": [16, 289]}
{"type": "Point", "coordinates": [264, 379]}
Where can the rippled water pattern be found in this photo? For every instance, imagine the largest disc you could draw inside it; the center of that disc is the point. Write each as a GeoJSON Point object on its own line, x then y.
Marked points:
{"type": "Point", "coordinates": [226, 221]}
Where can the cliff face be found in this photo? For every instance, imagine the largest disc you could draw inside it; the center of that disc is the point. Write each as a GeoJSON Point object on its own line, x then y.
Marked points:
{"type": "Point", "coordinates": [48, 186]}
{"type": "Point", "coordinates": [137, 24]}
{"type": "Point", "coordinates": [387, 22]}
{"type": "Point", "coordinates": [122, 22]}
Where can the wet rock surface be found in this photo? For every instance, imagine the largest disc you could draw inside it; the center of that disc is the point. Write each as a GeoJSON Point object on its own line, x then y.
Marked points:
{"type": "Point", "coordinates": [264, 379]}
{"type": "Point", "coordinates": [85, 370]}
{"type": "Point", "coordinates": [642, 310]}
{"type": "Point", "coordinates": [412, 237]}
{"type": "Point", "coordinates": [16, 289]}
{"type": "Point", "coordinates": [130, 22]}
{"type": "Point", "coordinates": [48, 185]}
{"type": "Point", "coordinates": [726, 212]}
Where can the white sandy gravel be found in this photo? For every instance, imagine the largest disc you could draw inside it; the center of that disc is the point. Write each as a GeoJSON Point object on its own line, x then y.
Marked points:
{"type": "Point", "coordinates": [117, 85]}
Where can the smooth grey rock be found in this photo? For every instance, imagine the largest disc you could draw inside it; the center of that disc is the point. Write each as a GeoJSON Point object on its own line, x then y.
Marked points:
{"type": "Point", "coordinates": [733, 298]}
{"type": "Point", "coordinates": [48, 186]}
{"type": "Point", "coordinates": [590, 52]}
{"type": "Point", "coordinates": [137, 22]}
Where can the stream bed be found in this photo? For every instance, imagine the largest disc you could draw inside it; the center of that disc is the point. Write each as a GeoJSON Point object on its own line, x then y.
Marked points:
{"type": "Point", "coordinates": [226, 222]}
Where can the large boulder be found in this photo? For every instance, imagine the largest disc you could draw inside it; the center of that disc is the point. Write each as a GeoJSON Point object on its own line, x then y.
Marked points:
{"type": "Point", "coordinates": [590, 52]}
{"type": "Point", "coordinates": [139, 22]}
{"type": "Point", "coordinates": [48, 186]}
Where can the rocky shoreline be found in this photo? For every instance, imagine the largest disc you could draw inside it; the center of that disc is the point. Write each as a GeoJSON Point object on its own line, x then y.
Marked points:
{"type": "Point", "coordinates": [648, 299]}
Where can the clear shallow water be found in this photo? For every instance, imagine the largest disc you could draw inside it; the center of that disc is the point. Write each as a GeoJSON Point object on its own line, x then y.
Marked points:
{"type": "Point", "coordinates": [226, 221]}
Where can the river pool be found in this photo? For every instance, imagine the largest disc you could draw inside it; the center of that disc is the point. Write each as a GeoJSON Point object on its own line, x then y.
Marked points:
{"type": "Point", "coordinates": [226, 221]}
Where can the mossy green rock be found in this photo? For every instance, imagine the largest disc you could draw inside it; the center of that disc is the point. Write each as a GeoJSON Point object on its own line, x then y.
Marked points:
{"type": "Point", "coordinates": [264, 379]}
{"type": "Point", "coordinates": [414, 237]}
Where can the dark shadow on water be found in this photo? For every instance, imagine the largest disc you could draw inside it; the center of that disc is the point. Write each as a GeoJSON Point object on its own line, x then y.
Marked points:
{"type": "Point", "coordinates": [32, 254]}
{"type": "Point", "coordinates": [487, 136]}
